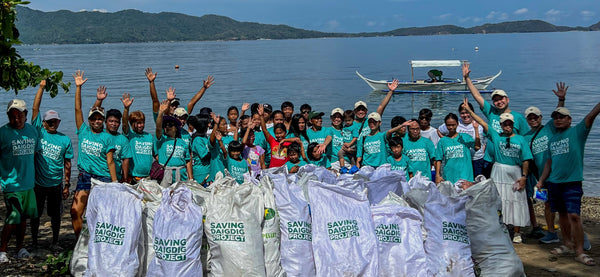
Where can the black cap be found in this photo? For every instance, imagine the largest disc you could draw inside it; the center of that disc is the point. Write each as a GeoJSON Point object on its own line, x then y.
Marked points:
{"type": "Point", "coordinates": [267, 108]}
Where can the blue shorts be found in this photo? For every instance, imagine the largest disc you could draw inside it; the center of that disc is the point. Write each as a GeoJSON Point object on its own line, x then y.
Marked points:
{"type": "Point", "coordinates": [84, 180]}
{"type": "Point", "coordinates": [565, 197]}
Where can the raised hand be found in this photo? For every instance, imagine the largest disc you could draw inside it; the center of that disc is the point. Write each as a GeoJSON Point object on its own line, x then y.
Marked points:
{"type": "Point", "coordinates": [101, 93]}
{"type": "Point", "coordinates": [245, 107]}
{"type": "Point", "coordinates": [393, 85]}
{"type": "Point", "coordinates": [164, 105]}
{"type": "Point", "coordinates": [251, 125]}
{"type": "Point", "coordinates": [466, 70]}
{"type": "Point", "coordinates": [261, 109]}
{"type": "Point", "coordinates": [171, 93]}
{"type": "Point", "coordinates": [78, 76]}
{"type": "Point", "coordinates": [466, 105]}
{"type": "Point", "coordinates": [127, 100]}
{"type": "Point", "coordinates": [218, 135]}
{"type": "Point", "coordinates": [150, 75]}
{"type": "Point", "coordinates": [42, 84]}
{"type": "Point", "coordinates": [475, 125]}
{"type": "Point", "coordinates": [209, 81]}
{"type": "Point", "coordinates": [561, 90]}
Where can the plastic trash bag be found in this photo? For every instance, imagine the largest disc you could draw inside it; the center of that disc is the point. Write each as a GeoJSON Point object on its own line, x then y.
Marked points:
{"type": "Point", "coordinates": [152, 195]}
{"type": "Point", "coordinates": [270, 230]}
{"type": "Point", "coordinates": [79, 260]}
{"type": "Point", "coordinates": [177, 235]}
{"type": "Point", "coordinates": [114, 219]}
{"type": "Point", "coordinates": [200, 195]}
{"type": "Point", "coordinates": [399, 241]}
{"type": "Point", "coordinates": [491, 245]}
{"type": "Point", "coordinates": [234, 229]}
{"type": "Point", "coordinates": [295, 225]}
{"type": "Point", "coordinates": [383, 181]}
{"type": "Point", "coordinates": [344, 242]}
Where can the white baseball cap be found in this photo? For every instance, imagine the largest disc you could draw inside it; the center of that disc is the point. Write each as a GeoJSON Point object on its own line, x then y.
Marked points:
{"type": "Point", "coordinates": [360, 103]}
{"type": "Point", "coordinates": [533, 110]}
{"type": "Point", "coordinates": [337, 110]}
{"type": "Point", "coordinates": [179, 112]}
{"type": "Point", "coordinates": [16, 104]}
{"type": "Point", "coordinates": [499, 92]}
{"type": "Point", "coordinates": [563, 111]}
{"type": "Point", "coordinates": [51, 114]}
{"type": "Point", "coordinates": [506, 116]}
{"type": "Point", "coordinates": [375, 116]}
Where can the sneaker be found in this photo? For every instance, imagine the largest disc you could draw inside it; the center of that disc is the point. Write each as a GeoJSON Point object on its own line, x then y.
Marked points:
{"type": "Point", "coordinates": [343, 170]}
{"type": "Point", "coordinates": [353, 169]}
{"type": "Point", "coordinates": [517, 238]}
{"type": "Point", "coordinates": [3, 258]}
{"type": "Point", "coordinates": [536, 233]}
{"type": "Point", "coordinates": [23, 254]}
{"type": "Point", "coordinates": [586, 243]}
{"type": "Point", "coordinates": [550, 237]}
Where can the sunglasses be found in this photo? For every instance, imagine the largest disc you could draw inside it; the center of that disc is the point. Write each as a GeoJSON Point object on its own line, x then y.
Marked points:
{"type": "Point", "coordinates": [424, 117]}
{"type": "Point", "coordinates": [52, 121]}
{"type": "Point", "coordinates": [557, 115]}
{"type": "Point", "coordinates": [305, 112]}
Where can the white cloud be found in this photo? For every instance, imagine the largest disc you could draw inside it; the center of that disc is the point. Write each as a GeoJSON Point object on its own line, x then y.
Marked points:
{"type": "Point", "coordinates": [444, 16]}
{"type": "Point", "coordinates": [587, 13]}
{"type": "Point", "coordinates": [477, 19]}
{"type": "Point", "coordinates": [553, 12]}
{"type": "Point", "coordinates": [332, 24]}
{"type": "Point", "coordinates": [553, 15]}
{"type": "Point", "coordinates": [95, 10]}
{"type": "Point", "coordinates": [497, 15]}
{"type": "Point", "coordinates": [521, 11]}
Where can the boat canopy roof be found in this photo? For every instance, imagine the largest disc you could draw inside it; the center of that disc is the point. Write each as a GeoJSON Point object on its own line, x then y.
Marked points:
{"type": "Point", "coordinates": [436, 63]}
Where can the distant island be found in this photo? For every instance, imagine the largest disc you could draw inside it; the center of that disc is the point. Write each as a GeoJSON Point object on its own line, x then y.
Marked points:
{"type": "Point", "coordinates": [67, 27]}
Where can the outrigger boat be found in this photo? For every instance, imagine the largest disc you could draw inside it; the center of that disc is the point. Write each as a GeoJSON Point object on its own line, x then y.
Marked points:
{"type": "Point", "coordinates": [447, 85]}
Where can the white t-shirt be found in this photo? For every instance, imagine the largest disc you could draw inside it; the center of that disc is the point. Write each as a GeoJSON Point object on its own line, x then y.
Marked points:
{"type": "Point", "coordinates": [432, 135]}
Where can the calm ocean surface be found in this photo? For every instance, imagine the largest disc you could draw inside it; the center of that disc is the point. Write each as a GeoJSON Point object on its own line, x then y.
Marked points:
{"type": "Point", "coordinates": [321, 72]}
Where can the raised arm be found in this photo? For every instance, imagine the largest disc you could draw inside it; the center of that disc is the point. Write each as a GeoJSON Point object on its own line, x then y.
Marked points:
{"type": "Point", "coordinates": [100, 96]}
{"type": "Point", "coordinates": [35, 109]}
{"type": "Point", "coordinates": [245, 107]}
{"type": "Point", "coordinates": [478, 119]}
{"type": "Point", "coordinates": [79, 81]}
{"type": "Point", "coordinates": [474, 91]}
{"type": "Point", "coordinates": [127, 101]}
{"type": "Point", "coordinates": [151, 77]}
{"type": "Point", "coordinates": [561, 93]}
{"type": "Point", "coordinates": [206, 84]}
{"type": "Point", "coordinates": [263, 125]}
{"type": "Point", "coordinates": [389, 132]}
{"type": "Point", "coordinates": [590, 117]}
{"type": "Point", "coordinates": [391, 86]}
{"type": "Point", "coordinates": [164, 105]}
{"type": "Point", "coordinates": [251, 125]}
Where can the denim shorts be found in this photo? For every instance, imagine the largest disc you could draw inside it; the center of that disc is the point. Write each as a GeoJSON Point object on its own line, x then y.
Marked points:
{"type": "Point", "coordinates": [84, 180]}
{"type": "Point", "coordinates": [565, 197]}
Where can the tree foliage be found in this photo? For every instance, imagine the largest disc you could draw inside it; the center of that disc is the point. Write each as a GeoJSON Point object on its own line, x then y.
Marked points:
{"type": "Point", "coordinates": [17, 73]}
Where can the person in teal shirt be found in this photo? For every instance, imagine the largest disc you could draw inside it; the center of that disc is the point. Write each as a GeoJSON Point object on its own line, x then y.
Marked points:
{"type": "Point", "coordinates": [219, 141]}
{"type": "Point", "coordinates": [235, 164]}
{"type": "Point", "coordinates": [298, 129]}
{"type": "Point", "coordinates": [200, 150]}
{"type": "Point", "coordinates": [19, 142]}
{"type": "Point", "coordinates": [295, 152]}
{"type": "Point", "coordinates": [349, 138]}
{"type": "Point", "coordinates": [337, 137]}
{"type": "Point", "coordinates": [141, 143]}
{"type": "Point", "coordinates": [418, 149]}
{"type": "Point", "coordinates": [512, 155]}
{"type": "Point", "coordinates": [372, 149]}
{"type": "Point", "coordinates": [315, 157]}
{"type": "Point", "coordinates": [95, 157]}
{"type": "Point", "coordinates": [454, 150]}
{"type": "Point", "coordinates": [52, 166]}
{"type": "Point", "coordinates": [397, 160]}
{"type": "Point", "coordinates": [563, 174]}
{"type": "Point", "coordinates": [173, 152]}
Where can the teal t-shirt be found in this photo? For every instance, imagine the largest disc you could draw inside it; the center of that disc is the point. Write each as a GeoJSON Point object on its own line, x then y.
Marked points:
{"type": "Point", "coordinates": [201, 159]}
{"type": "Point", "coordinates": [50, 161]}
{"type": "Point", "coordinates": [539, 146]}
{"type": "Point", "coordinates": [373, 149]}
{"type": "Point", "coordinates": [122, 152]}
{"type": "Point", "coordinates": [17, 155]}
{"type": "Point", "coordinates": [91, 156]}
{"type": "Point", "coordinates": [181, 154]}
{"type": "Point", "coordinates": [420, 152]}
{"type": "Point", "coordinates": [361, 129]}
{"type": "Point", "coordinates": [217, 162]}
{"type": "Point", "coordinates": [403, 164]}
{"type": "Point", "coordinates": [493, 115]}
{"type": "Point", "coordinates": [455, 154]}
{"type": "Point", "coordinates": [349, 133]}
{"type": "Point", "coordinates": [515, 154]}
{"type": "Point", "coordinates": [290, 165]}
{"type": "Point", "coordinates": [237, 169]}
{"type": "Point", "coordinates": [317, 136]}
{"type": "Point", "coordinates": [302, 139]}
{"type": "Point", "coordinates": [323, 162]}
{"type": "Point", "coordinates": [142, 153]}
{"type": "Point", "coordinates": [337, 141]}
{"type": "Point", "coordinates": [566, 151]}
{"type": "Point", "coordinates": [259, 140]}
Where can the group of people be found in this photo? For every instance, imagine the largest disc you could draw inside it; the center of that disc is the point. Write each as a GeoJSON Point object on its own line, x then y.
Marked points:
{"type": "Point", "coordinates": [514, 149]}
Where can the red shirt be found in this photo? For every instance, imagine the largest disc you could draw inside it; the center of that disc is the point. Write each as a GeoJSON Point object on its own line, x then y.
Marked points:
{"type": "Point", "coordinates": [277, 159]}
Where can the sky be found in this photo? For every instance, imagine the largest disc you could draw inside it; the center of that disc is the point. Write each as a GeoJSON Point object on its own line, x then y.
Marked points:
{"type": "Point", "coordinates": [353, 15]}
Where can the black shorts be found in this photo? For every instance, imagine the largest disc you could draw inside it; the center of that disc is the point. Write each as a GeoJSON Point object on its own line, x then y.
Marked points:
{"type": "Point", "coordinates": [52, 195]}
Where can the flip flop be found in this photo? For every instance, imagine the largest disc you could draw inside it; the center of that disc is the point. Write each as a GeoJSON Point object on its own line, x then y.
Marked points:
{"type": "Point", "coordinates": [585, 259]}
{"type": "Point", "coordinates": [562, 250]}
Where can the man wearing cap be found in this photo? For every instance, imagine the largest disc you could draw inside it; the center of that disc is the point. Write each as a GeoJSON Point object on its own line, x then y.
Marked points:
{"type": "Point", "coordinates": [563, 176]}
{"type": "Point", "coordinates": [171, 96]}
{"type": "Point", "coordinates": [52, 167]}
{"type": "Point", "coordinates": [419, 150]}
{"type": "Point", "coordinates": [360, 110]}
{"type": "Point", "coordinates": [182, 115]}
{"type": "Point", "coordinates": [95, 157]}
{"type": "Point", "coordinates": [18, 143]}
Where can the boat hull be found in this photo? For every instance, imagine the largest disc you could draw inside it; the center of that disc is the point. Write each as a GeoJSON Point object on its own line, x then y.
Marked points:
{"type": "Point", "coordinates": [421, 86]}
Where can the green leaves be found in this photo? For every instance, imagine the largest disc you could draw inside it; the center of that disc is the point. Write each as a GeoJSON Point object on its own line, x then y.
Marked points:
{"type": "Point", "coordinates": [15, 72]}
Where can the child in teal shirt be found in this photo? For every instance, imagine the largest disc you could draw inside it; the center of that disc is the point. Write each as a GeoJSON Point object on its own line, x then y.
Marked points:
{"type": "Point", "coordinates": [294, 152]}
{"type": "Point", "coordinates": [397, 160]}
{"type": "Point", "coordinates": [235, 164]}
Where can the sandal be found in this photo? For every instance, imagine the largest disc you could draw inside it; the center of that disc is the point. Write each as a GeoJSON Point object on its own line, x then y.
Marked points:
{"type": "Point", "coordinates": [585, 259]}
{"type": "Point", "coordinates": [562, 250]}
